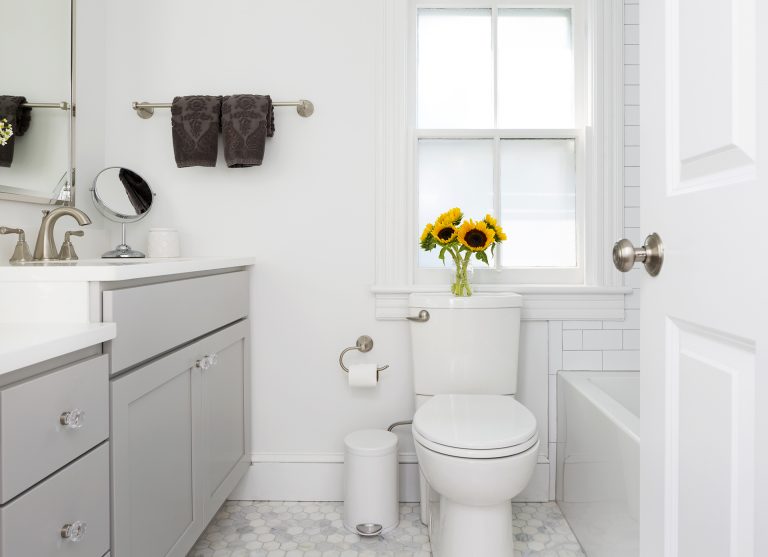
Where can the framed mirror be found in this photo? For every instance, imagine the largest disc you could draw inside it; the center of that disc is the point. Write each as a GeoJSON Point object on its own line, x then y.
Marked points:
{"type": "Point", "coordinates": [36, 164]}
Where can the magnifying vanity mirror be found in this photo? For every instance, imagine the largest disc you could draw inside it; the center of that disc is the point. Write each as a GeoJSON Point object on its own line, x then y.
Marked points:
{"type": "Point", "coordinates": [122, 196]}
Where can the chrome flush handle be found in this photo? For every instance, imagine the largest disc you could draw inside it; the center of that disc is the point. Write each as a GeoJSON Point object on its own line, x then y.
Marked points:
{"type": "Point", "coordinates": [422, 317]}
{"type": "Point", "coordinates": [625, 255]}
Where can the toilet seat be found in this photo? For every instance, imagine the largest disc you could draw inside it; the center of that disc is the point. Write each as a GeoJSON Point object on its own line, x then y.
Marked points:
{"type": "Point", "coordinates": [475, 426]}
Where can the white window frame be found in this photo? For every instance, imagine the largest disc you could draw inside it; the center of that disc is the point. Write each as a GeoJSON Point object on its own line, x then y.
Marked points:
{"type": "Point", "coordinates": [599, 137]}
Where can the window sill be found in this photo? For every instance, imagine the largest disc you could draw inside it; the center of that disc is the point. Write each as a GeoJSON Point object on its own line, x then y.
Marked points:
{"type": "Point", "coordinates": [540, 302]}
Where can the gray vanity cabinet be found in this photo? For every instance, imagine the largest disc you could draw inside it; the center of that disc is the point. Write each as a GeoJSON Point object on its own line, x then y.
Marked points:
{"type": "Point", "coordinates": [180, 443]}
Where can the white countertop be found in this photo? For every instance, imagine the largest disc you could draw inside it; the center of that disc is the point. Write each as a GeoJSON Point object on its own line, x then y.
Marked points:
{"type": "Point", "coordinates": [27, 344]}
{"type": "Point", "coordinates": [104, 270]}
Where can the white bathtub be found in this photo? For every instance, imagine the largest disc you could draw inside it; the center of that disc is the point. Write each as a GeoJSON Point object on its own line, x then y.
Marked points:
{"type": "Point", "coordinates": [598, 459]}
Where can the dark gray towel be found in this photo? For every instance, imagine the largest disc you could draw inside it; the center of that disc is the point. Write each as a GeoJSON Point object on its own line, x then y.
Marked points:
{"type": "Point", "coordinates": [195, 127]}
{"type": "Point", "coordinates": [19, 117]}
{"type": "Point", "coordinates": [246, 122]}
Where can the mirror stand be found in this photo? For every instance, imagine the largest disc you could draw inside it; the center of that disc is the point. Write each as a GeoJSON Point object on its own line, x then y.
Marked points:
{"type": "Point", "coordinates": [123, 251]}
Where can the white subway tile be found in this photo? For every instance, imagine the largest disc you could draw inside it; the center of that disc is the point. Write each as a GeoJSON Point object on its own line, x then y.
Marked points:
{"type": "Point", "coordinates": [632, 95]}
{"type": "Point", "coordinates": [582, 360]}
{"type": "Point", "coordinates": [634, 235]}
{"type": "Point", "coordinates": [631, 115]}
{"type": "Point", "coordinates": [631, 14]}
{"type": "Point", "coordinates": [552, 408]}
{"type": "Point", "coordinates": [572, 339]}
{"type": "Point", "coordinates": [582, 325]}
{"type": "Point", "coordinates": [631, 54]}
{"type": "Point", "coordinates": [631, 74]}
{"type": "Point", "coordinates": [631, 321]}
{"type": "Point", "coordinates": [632, 301]}
{"type": "Point", "coordinates": [635, 278]}
{"type": "Point", "coordinates": [631, 197]}
{"type": "Point", "coordinates": [631, 34]}
{"type": "Point", "coordinates": [602, 340]}
{"type": "Point", "coordinates": [632, 177]}
{"type": "Point", "coordinates": [631, 340]}
{"type": "Point", "coordinates": [632, 135]}
{"type": "Point", "coordinates": [555, 346]}
{"type": "Point", "coordinates": [552, 470]}
{"type": "Point", "coordinates": [621, 360]}
{"type": "Point", "coordinates": [632, 156]}
{"type": "Point", "coordinates": [632, 217]}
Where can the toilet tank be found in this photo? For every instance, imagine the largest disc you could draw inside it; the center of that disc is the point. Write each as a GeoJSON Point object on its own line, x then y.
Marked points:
{"type": "Point", "coordinates": [469, 345]}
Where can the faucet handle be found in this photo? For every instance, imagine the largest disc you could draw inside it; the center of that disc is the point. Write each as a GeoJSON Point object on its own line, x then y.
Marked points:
{"type": "Point", "coordinates": [21, 252]}
{"type": "Point", "coordinates": [67, 252]}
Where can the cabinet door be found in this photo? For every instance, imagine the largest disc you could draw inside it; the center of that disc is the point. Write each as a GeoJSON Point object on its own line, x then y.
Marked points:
{"type": "Point", "coordinates": [156, 506]}
{"type": "Point", "coordinates": [225, 414]}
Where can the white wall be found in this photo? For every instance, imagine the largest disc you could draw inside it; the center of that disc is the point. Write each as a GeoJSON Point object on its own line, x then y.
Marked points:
{"type": "Point", "coordinates": [306, 214]}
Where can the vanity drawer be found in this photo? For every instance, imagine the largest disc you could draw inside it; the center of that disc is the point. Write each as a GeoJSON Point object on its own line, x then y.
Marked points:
{"type": "Point", "coordinates": [33, 441]}
{"type": "Point", "coordinates": [155, 318]}
{"type": "Point", "coordinates": [31, 526]}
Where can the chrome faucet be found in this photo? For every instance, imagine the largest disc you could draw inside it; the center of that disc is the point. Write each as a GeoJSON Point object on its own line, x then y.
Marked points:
{"type": "Point", "coordinates": [45, 248]}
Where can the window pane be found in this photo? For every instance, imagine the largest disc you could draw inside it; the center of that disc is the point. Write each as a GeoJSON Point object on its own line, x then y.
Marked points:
{"type": "Point", "coordinates": [535, 69]}
{"type": "Point", "coordinates": [453, 173]}
{"type": "Point", "coordinates": [538, 202]}
{"type": "Point", "coordinates": [455, 69]}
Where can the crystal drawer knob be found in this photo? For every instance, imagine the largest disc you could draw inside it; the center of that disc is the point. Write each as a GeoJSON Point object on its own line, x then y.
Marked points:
{"type": "Point", "coordinates": [207, 361]}
{"type": "Point", "coordinates": [73, 532]}
{"type": "Point", "coordinates": [73, 419]}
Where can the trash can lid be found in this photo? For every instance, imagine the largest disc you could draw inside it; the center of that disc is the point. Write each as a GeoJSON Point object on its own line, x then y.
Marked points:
{"type": "Point", "coordinates": [371, 442]}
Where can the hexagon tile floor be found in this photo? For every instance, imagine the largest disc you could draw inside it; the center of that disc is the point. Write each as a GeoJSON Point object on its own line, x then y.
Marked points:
{"type": "Point", "coordinates": [279, 529]}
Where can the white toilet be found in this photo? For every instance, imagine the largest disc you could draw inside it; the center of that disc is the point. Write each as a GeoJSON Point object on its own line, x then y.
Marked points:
{"type": "Point", "coordinates": [476, 445]}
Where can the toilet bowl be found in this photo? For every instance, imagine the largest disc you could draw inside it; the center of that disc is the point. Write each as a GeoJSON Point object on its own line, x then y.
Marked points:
{"type": "Point", "coordinates": [476, 445]}
{"type": "Point", "coordinates": [477, 452]}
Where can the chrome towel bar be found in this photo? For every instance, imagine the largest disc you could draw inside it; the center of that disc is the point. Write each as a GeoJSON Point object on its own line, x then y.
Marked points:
{"type": "Point", "coordinates": [144, 110]}
{"type": "Point", "coordinates": [63, 105]}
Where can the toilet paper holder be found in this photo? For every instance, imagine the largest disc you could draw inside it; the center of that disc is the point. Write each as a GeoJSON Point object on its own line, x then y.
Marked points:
{"type": "Point", "coordinates": [364, 344]}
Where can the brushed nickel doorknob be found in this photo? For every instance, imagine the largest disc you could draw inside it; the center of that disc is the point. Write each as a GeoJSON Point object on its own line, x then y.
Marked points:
{"type": "Point", "coordinates": [625, 255]}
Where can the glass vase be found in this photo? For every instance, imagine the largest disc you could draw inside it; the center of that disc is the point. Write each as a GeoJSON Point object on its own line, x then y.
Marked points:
{"type": "Point", "coordinates": [461, 278]}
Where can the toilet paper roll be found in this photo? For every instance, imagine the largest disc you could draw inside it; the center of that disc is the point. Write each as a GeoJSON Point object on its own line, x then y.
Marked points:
{"type": "Point", "coordinates": [362, 375]}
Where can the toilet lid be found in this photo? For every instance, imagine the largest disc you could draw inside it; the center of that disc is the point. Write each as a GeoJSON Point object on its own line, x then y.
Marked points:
{"type": "Point", "coordinates": [476, 422]}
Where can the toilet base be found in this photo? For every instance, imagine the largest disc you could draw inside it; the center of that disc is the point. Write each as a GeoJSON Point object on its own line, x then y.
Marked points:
{"type": "Point", "coordinates": [457, 530]}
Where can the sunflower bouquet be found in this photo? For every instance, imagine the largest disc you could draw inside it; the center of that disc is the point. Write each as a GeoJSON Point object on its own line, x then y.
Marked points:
{"type": "Point", "coordinates": [6, 132]}
{"type": "Point", "coordinates": [461, 239]}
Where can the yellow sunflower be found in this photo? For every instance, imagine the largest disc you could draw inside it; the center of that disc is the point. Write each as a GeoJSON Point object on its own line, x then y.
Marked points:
{"type": "Point", "coordinates": [425, 233]}
{"type": "Point", "coordinates": [496, 227]}
{"type": "Point", "coordinates": [453, 216]}
{"type": "Point", "coordinates": [476, 236]}
{"type": "Point", "coordinates": [444, 232]}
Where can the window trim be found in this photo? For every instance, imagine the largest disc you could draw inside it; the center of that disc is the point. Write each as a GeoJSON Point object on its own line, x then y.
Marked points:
{"type": "Point", "coordinates": [602, 199]}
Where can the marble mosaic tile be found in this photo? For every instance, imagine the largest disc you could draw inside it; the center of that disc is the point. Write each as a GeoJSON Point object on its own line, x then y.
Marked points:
{"type": "Point", "coordinates": [291, 529]}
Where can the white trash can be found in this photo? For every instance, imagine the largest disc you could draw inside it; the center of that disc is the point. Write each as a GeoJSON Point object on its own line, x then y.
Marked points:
{"type": "Point", "coordinates": [371, 502]}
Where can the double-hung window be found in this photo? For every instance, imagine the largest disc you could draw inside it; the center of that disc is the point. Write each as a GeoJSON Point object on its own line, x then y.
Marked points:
{"type": "Point", "coordinates": [496, 118]}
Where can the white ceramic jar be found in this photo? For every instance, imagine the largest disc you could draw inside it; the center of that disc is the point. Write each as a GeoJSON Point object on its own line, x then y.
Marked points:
{"type": "Point", "coordinates": [163, 242]}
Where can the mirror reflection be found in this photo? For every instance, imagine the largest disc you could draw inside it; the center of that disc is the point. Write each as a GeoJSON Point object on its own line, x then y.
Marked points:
{"type": "Point", "coordinates": [123, 196]}
{"type": "Point", "coordinates": [35, 91]}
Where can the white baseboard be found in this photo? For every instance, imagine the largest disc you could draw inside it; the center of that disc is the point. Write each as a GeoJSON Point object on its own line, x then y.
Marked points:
{"type": "Point", "coordinates": [320, 477]}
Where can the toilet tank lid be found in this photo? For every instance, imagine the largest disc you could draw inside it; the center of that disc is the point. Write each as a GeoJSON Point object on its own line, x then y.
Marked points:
{"type": "Point", "coordinates": [477, 301]}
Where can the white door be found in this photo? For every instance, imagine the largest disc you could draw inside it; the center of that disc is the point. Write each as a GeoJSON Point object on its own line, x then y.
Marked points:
{"type": "Point", "coordinates": [704, 373]}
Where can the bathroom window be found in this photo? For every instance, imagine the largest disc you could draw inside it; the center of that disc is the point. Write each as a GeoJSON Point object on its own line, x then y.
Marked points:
{"type": "Point", "coordinates": [497, 128]}
{"type": "Point", "coordinates": [508, 107]}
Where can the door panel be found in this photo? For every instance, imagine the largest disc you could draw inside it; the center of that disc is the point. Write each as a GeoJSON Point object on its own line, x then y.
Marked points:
{"type": "Point", "coordinates": [155, 417]}
{"type": "Point", "coordinates": [704, 319]}
{"type": "Point", "coordinates": [226, 414]}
